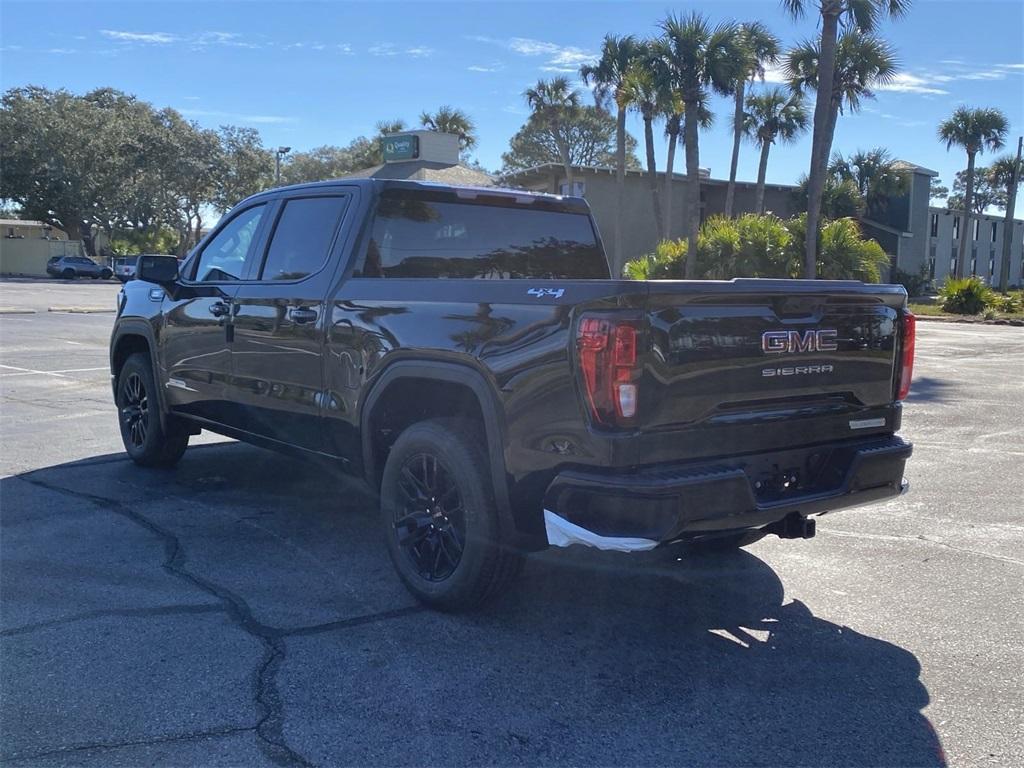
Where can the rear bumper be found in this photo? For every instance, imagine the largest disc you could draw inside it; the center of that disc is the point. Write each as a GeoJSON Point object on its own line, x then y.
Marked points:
{"type": "Point", "coordinates": [667, 503]}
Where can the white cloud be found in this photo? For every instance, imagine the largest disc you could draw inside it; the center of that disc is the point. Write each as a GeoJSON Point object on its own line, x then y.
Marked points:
{"type": "Point", "coordinates": [495, 67]}
{"type": "Point", "coordinates": [345, 48]}
{"type": "Point", "coordinates": [235, 117]}
{"type": "Point", "coordinates": [390, 49]}
{"type": "Point", "coordinates": [904, 82]}
{"type": "Point", "coordinates": [153, 38]}
{"type": "Point", "coordinates": [1018, 67]}
{"type": "Point", "coordinates": [774, 73]}
{"type": "Point", "coordinates": [558, 58]}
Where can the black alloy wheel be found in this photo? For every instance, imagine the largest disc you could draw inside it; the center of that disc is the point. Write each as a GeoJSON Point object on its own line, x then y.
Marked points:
{"type": "Point", "coordinates": [440, 521]}
{"type": "Point", "coordinates": [150, 441]}
{"type": "Point", "coordinates": [135, 410]}
{"type": "Point", "coordinates": [431, 522]}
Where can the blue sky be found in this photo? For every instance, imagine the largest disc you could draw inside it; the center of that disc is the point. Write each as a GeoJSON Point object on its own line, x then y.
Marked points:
{"type": "Point", "coordinates": [307, 74]}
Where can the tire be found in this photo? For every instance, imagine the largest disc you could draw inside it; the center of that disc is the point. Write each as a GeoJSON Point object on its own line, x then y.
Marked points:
{"type": "Point", "coordinates": [106, 274]}
{"type": "Point", "coordinates": [147, 442]}
{"type": "Point", "coordinates": [68, 274]}
{"type": "Point", "coordinates": [450, 554]}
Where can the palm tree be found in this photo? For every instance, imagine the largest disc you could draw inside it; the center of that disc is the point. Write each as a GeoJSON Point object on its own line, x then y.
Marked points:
{"type": "Point", "coordinates": [701, 58]}
{"type": "Point", "coordinates": [760, 49]}
{"type": "Point", "coordinates": [553, 103]}
{"type": "Point", "coordinates": [608, 76]}
{"type": "Point", "coordinates": [450, 120]}
{"type": "Point", "coordinates": [1007, 172]}
{"type": "Point", "coordinates": [646, 89]}
{"type": "Point", "coordinates": [771, 117]}
{"type": "Point", "coordinates": [673, 133]}
{"type": "Point", "coordinates": [878, 177]}
{"type": "Point", "coordinates": [862, 62]}
{"type": "Point", "coordinates": [863, 16]}
{"type": "Point", "coordinates": [974, 130]}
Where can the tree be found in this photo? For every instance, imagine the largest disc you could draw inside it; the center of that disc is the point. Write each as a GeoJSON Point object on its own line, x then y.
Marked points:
{"type": "Point", "coordinates": [1007, 172]}
{"type": "Point", "coordinates": [987, 192]}
{"type": "Point", "coordinates": [878, 178]}
{"type": "Point", "coordinates": [771, 117]}
{"type": "Point", "coordinates": [327, 162]}
{"type": "Point", "coordinates": [938, 191]}
{"type": "Point", "coordinates": [103, 161]}
{"type": "Point", "coordinates": [248, 166]}
{"type": "Point", "coordinates": [975, 130]}
{"type": "Point", "coordinates": [555, 103]}
{"type": "Point", "coordinates": [450, 120]}
{"type": "Point", "coordinates": [647, 89]}
{"type": "Point", "coordinates": [860, 15]}
{"type": "Point", "coordinates": [760, 49]}
{"type": "Point", "coordinates": [701, 58]}
{"type": "Point", "coordinates": [839, 200]}
{"type": "Point", "coordinates": [608, 76]}
{"type": "Point", "coordinates": [589, 138]}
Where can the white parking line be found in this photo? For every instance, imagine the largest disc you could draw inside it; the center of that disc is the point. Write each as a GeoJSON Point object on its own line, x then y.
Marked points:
{"type": "Point", "coordinates": [59, 374]}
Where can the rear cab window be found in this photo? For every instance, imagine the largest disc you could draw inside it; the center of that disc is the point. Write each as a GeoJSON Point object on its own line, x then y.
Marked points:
{"type": "Point", "coordinates": [438, 234]}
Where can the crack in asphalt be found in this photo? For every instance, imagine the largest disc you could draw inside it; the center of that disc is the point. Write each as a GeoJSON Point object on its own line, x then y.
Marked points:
{"type": "Point", "coordinates": [129, 613]}
{"type": "Point", "coordinates": [270, 727]}
{"type": "Point", "coordinates": [107, 745]}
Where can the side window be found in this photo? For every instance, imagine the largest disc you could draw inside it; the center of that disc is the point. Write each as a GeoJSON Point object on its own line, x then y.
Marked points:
{"type": "Point", "coordinates": [225, 257]}
{"type": "Point", "coordinates": [302, 237]}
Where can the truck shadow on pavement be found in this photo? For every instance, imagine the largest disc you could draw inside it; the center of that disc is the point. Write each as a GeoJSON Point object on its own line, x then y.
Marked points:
{"type": "Point", "coordinates": [592, 658]}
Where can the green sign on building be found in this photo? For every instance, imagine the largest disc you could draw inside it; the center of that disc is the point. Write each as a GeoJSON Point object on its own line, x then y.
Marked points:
{"type": "Point", "coordinates": [401, 148]}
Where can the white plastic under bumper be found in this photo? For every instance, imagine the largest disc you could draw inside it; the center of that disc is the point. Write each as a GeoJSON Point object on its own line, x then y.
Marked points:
{"type": "Point", "coordinates": [562, 533]}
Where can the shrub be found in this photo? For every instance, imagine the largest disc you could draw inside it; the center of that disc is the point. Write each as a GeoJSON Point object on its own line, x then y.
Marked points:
{"type": "Point", "coordinates": [845, 255]}
{"type": "Point", "coordinates": [916, 285]}
{"type": "Point", "coordinates": [965, 296]}
{"type": "Point", "coordinates": [1009, 303]}
{"type": "Point", "coordinates": [667, 262]}
{"type": "Point", "coordinates": [763, 246]}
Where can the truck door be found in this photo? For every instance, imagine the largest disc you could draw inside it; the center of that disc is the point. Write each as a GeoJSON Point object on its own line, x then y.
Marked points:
{"type": "Point", "coordinates": [195, 337]}
{"type": "Point", "coordinates": [279, 313]}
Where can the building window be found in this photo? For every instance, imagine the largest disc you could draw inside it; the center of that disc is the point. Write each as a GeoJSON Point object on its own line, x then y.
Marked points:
{"type": "Point", "coordinates": [974, 265]}
{"type": "Point", "coordinates": [977, 229]}
{"type": "Point", "coordinates": [991, 266]}
{"type": "Point", "coordinates": [952, 263]}
{"type": "Point", "coordinates": [578, 189]}
{"type": "Point", "coordinates": [931, 262]}
{"type": "Point", "coordinates": [993, 231]}
{"type": "Point", "coordinates": [934, 232]}
{"type": "Point", "coordinates": [956, 227]}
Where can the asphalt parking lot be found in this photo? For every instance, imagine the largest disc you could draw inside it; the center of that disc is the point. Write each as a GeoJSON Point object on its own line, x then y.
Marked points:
{"type": "Point", "coordinates": [241, 609]}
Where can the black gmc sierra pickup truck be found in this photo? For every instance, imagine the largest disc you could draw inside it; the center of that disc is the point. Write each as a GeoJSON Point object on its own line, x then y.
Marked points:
{"type": "Point", "coordinates": [466, 352]}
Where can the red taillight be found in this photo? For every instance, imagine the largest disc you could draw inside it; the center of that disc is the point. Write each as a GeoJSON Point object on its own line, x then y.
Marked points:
{"type": "Point", "coordinates": [907, 358]}
{"type": "Point", "coordinates": [607, 355]}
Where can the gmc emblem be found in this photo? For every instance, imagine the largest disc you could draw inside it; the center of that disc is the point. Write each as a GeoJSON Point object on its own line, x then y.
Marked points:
{"type": "Point", "coordinates": [777, 342]}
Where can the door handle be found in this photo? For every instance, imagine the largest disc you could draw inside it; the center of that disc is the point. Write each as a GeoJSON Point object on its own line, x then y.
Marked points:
{"type": "Point", "coordinates": [302, 315]}
{"type": "Point", "coordinates": [219, 309]}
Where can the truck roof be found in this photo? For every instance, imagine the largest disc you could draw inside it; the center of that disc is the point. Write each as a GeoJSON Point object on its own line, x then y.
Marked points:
{"type": "Point", "coordinates": [570, 203]}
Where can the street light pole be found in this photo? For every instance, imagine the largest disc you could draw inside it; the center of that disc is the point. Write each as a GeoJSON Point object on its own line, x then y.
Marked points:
{"type": "Point", "coordinates": [281, 151]}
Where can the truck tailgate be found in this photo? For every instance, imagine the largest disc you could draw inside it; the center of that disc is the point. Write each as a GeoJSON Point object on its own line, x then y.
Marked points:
{"type": "Point", "coordinates": [739, 351]}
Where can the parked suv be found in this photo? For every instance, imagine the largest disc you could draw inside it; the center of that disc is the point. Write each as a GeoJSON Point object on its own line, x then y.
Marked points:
{"type": "Point", "coordinates": [70, 267]}
{"type": "Point", "coordinates": [465, 352]}
{"type": "Point", "coordinates": [124, 267]}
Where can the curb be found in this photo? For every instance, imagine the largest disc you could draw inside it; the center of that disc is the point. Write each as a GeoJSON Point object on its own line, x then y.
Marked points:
{"type": "Point", "coordinates": [16, 311]}
{"type": "Point", "coordinates": [82, 310]}
{"type": "Point", "coordinates": [970, 320]}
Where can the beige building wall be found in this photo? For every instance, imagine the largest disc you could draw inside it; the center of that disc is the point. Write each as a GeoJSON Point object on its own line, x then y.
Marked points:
{"type": "Point", "coordinates": [28, 257]}
{"type": "Point", "coordinates": [640, 233]}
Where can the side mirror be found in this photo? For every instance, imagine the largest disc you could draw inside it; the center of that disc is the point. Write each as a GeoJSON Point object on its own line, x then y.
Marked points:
{"type": "Point", "coordinates": [157, 269]}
